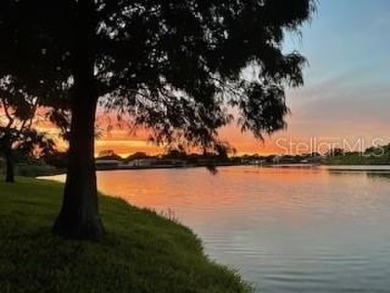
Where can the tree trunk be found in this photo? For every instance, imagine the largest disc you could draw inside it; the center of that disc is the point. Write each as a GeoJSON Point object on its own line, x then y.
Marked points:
{"type": "Point", "coordinates": [79, 216]}
{"type": "Point", "coordinates": [10, 172]}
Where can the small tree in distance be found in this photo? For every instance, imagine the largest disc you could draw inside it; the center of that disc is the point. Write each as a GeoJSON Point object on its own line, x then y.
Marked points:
{"type": "Point", "coordinates": [109, 155]}
{"type": "Point", "coordinates": [18, 113]}
{"type": "Point", "coordinates": [174, 67]}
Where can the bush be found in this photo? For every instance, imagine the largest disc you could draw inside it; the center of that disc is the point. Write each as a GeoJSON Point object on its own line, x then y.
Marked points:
{"type": "Point", "coordinates": [35, 170]}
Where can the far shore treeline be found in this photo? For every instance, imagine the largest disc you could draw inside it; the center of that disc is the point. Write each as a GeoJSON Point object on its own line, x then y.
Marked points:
{"type": "Point", "coordinates": [55, 162]}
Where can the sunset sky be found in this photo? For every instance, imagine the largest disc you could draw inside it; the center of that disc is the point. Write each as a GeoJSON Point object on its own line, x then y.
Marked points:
{"type": "Point", "coordinates": [347, 84]}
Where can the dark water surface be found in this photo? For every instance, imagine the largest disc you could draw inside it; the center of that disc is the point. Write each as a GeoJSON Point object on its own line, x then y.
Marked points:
{"type": "Point", "coordinates": [284, 230]}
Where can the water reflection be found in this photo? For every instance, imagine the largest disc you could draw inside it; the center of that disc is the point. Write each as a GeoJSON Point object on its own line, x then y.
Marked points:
{"type": "Point", "coordinates": [379, 175]}
{"type": "Point", "coordinates": [286, 230]}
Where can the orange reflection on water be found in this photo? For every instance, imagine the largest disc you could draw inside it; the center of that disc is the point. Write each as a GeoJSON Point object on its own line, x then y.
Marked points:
{"type": "Point", "coordinates": [197, 195]}
{"type": "Point", "coordinates": [194, 195]}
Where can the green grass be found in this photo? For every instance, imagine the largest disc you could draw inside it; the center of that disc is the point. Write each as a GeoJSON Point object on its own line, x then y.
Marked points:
{"type": "Point", "coordinates": [142, 252]}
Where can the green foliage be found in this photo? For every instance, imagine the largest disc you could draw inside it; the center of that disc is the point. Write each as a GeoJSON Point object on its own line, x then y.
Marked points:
{"type": "Point", "coordinates": [358, 159]}
{"type": "Point", "coordinates": [143, 252]}
{"type": "Point", "coordinates": [28, 170]}
{"type": "Point", "coordinates": [379, 155]}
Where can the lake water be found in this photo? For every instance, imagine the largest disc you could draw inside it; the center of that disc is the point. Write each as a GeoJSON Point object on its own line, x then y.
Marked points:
{"type": "Point", "coordinates": [283, 229]}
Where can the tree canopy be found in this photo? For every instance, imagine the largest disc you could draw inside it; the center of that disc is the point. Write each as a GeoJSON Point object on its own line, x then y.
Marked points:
{"type": "Point", "coordinates": [174, 67]}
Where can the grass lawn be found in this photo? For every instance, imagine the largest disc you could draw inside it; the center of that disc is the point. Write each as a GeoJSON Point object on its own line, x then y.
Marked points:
{"type": "Point", "coordinates": [142, 252]}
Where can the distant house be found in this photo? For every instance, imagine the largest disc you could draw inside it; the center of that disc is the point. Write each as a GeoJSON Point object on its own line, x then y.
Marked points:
{"type": "Point", "coordinates": [171, 162]}
{"type": "Point", "coordinates": [287, 159]}
{"type": "Point", "coordinates": [277, 159]}
{"type": "Point", "coordinates": [316, 159]}
{"type": "Point", "coordinates": [284, 160]}
{"type": "Point", "coordinates": [155, 162]}
{"type": "Point", "coordinates": [146, 162]}
{"type": "Point", "coordinates": [107, 164]}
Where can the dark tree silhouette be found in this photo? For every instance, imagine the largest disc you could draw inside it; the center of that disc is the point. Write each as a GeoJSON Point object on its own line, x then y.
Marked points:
{"type": "Point", "coordinates": [136, 156]}
{"type": "Point", "coordinates": [175, 67]}
{"type": "Point", "coordinates": [18, 113]}
{"type": "Point", "coordinates": [56, 158]}
{"type": "Point", "coordinates": [334, 152]}
{"type": "Point", "coordinates": [109, 155]}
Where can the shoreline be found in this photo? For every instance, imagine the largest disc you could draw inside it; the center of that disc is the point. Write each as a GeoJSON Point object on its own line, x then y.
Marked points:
{"type": "Point", "coordinates": [286, 166]}
{"type": "Point", "coordinates": [347, 168]}
{"type": "Point", "coordinates": [125, 167]}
